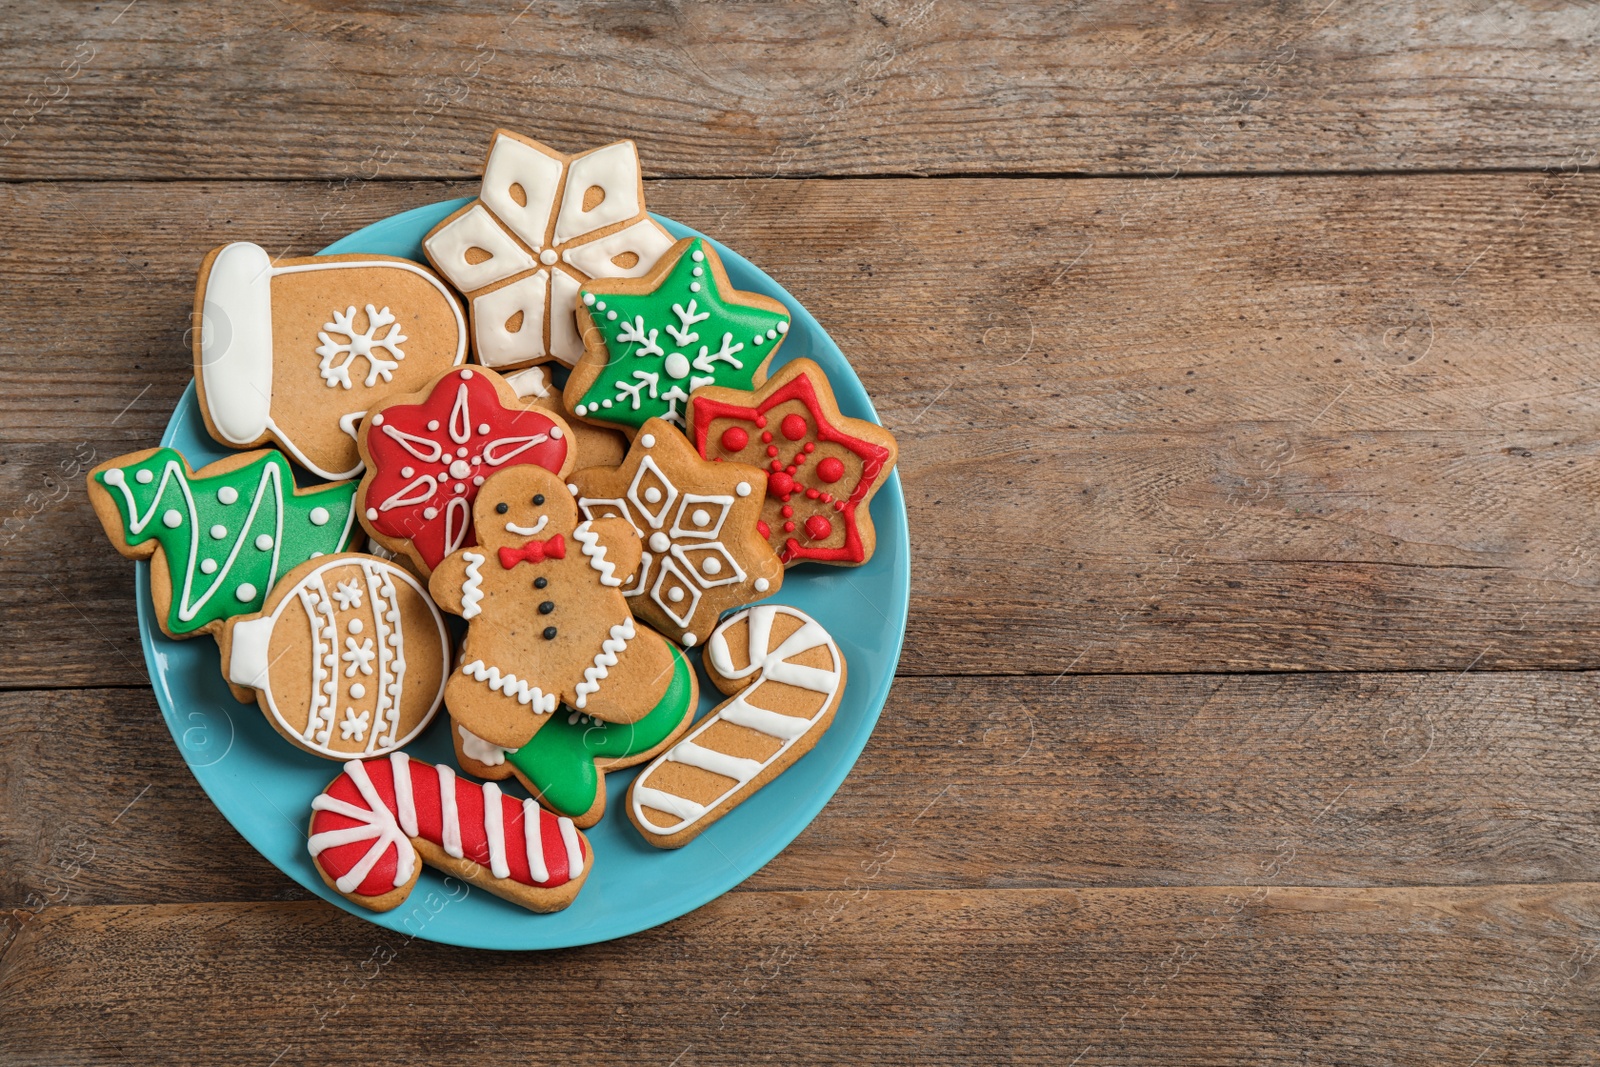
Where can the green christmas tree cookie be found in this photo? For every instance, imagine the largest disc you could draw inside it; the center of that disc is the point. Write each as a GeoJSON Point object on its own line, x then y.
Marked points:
{"type": "Point", "coordinates": [218, 538]}
{"type": "Point", "coordinates": [651, 341]}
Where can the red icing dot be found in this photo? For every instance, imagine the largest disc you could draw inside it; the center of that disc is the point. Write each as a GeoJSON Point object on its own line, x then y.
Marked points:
{"type": "Point", "coordinates": [788, 527]}
{"type": "Point", "coordinates": [779, 484]}
{"type": "Point", "coordinates": [788, 512]}
{"type": "Point", "coordinates": [812, 494]}
{"type": "Point", "coordinates": [794, 427]}
{"type": "Point", "coordinates": [772, 450]}
{"type": "Point", "coordinates": [761, 421]}
{"type": "Point", "coordinates": [766, 438]}
{"type": "Point", "coordinates": [818, 527]}
{"type": "Point", "coordinates": [777, 466]}
{"type": "Point", "coordinates": [800, 460]}
{"type": "Point", "coordinates": [762, 528]}
{"type": "Point", "coordinates": [831, 469]}
{"type": "Point", "coordinates": [810, 448]}
{"type": "Point", "coordinates": [827, 498]}
{"type": "Point", "coordinates": [838, 505]}
{"type": "Point", "coordinates": [734, 438]}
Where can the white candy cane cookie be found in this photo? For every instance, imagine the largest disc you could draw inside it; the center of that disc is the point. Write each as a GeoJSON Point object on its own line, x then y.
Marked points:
{"type": "Point", "coordinates": [786, 676]}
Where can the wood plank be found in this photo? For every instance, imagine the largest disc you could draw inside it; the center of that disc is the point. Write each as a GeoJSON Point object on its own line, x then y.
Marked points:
{"type": "Point", "coordinates": [818, 88]}
{"type": "Point", "coordinates": [1502, 975]}
{"type": "Point", "coordinates": [1350, 780]}
{"type": "Point", "coordinates": [1219, 424]}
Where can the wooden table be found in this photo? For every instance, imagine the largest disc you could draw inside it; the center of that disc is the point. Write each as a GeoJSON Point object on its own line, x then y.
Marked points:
{"type": "Point", "coordinates": [1242, 357]}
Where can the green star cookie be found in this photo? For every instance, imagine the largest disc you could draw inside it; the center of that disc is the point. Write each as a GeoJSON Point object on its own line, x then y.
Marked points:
{"type": "Point", "coordinates": [652, 341]}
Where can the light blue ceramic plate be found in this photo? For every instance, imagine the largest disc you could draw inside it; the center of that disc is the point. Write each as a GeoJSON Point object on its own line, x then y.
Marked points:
{"type": "Point", "coordinates": [264, 786]}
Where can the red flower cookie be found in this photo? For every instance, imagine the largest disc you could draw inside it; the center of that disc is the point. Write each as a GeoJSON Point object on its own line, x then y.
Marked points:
{"type": "Point", "coordinates": [427, 453]}
{"type": "Point", "coordinates": [822, 468]}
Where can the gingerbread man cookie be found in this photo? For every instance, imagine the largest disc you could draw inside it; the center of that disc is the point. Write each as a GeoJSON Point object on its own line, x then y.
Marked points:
{"type": "Point", "coordinates": [822, 468]}
{"type": "Point", "coordinates": [651, 341]}
{"type": "Point", "coordinates": [218, 538]}
{"type": "Point", "coordinates": [547, 622]}
{"type": "Point", "coordinates": [428, 453]}
{"type": "Point", "coordinates": [786, 676]}
{"type": "Point", "coordinates": [543, 224]}
{"type": "Point", "coordinates": [697, 519]}
{"type": "Point", "coordinates": [374, 821]}
{"type": "Point", "coordinates": [297, 350]}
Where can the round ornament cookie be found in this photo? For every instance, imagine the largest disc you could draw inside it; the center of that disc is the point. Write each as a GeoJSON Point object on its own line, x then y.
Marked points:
{"type": "Point", "coordinates": [347, 658]}
{"type": "Point", "coordinates": [428, 453]}
{"type": "Point", "coordinates": [298, 350]}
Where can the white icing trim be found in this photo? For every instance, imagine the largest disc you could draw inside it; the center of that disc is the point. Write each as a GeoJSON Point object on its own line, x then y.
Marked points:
{"type": "Point", "coordinates": [236, 342]}
{"type": "Point", "coordinates": [511, 686]}
{"type": "Point", "coordinates": [476, 228]}
{"type": "Point", "coordinates": [532, 382]}
{"type": "Point", "coordinates": [405, 802]}
{"type": "Point", "coordinates": [449, 816]}
{"type": "Point", "coordinates": [471, 589]}
{"type": "Point", "coordinates": [615, 169]}
{"type": "Point", "coordinates": [644, 239]}
{"type": "Point", "coordinates": [566, 344]}
{"type": "Point", "coordinates": [247, 662]}
{"type": "Point", "coordinates": [496, 346]}
{"type": "Point", "coordinates": [589, 543]}
{"type": "Point", "coordinates": [494, 829]}
{"type": "Point", "coordinates": [738, 768]}
{"type": "Point", "coordinates": [528, 531]}
{"type": "Point", "coordinates": [672, 804]}
{"type": "Point", "coordinates": [604, 660]}
{"type": "Point", "coordinates": [476, 748]}
{"type": "Point", "coordinates": [569, 838]}
{"type": "Point", "coordinates": [534, 839]}
{"type": "Point", "coordinates": [516, 162]}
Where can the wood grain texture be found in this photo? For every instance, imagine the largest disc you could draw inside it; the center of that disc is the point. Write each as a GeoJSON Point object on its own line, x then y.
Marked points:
{"type": "Point", "coordinates": [1350, 780]}
{"type": "Point", "coordinates": [1217, 424]}
{"type": "Point", "coordinates": [1125, 976]}
{"type": "Point", "coordinates": [299, 90]}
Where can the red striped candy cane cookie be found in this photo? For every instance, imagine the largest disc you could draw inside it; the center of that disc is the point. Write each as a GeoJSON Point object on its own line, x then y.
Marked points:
{"type": "Point", "coordinates": [786, 676]}
{"type": "Point", "coordinates": [370, 826]}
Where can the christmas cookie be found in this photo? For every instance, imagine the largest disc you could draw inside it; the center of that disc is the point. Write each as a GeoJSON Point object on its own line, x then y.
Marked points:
{"type": "Point", "coordinates": [347, 658]}
{"type": "Point", "coordinates": [546, 619]}
{"type": "Point", "coordinates": [565, 763]}
{"type": "Point", "coordinates": [652, 341]}
{"type": "Point", "coordinates": [374, 821]}
{"type": "Point", "coordinates": [786, 676]}
{"type": "Point", "coordinates": [822, 468]}
{"type": "Point", "coordinates": [697, 521]}
{"type": "Point", "coordinates": [427, 454]}
{"type": "Point", "coordinates": [217, 538]}
{"type": "Point", "coordinates": [597, 446]}
{"type": "Point", "coordinates": [543, 224]}
{"type": "Point", "coordinates": [297, 350]}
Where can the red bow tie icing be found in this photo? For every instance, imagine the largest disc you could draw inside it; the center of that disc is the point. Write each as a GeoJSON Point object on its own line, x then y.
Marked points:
{"type": "Point", "coordinates": [428, 459]}
{"type": "Point", "coordinates": [535, 551]}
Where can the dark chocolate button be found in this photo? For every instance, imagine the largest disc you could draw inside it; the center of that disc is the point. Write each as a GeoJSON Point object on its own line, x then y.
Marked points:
{"type": "Point", "coordinates": [549, 633]}
{"type": "Point", "coordinates": [540, 582]}
{"type": "Point", "coordinates": [502, 508]}
{"type": "Point", "coordinates": [547, 607]}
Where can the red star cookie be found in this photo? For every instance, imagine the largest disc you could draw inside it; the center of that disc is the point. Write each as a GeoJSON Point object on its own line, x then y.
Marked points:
{"type": "Point", "coordinates": [822, 468]}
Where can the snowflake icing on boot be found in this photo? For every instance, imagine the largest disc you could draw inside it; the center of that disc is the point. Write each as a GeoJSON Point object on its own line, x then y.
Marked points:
{"type": "Point", "coordinates": [364, 344]}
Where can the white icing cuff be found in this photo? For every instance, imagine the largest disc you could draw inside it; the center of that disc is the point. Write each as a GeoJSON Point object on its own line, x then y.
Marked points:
{"type": "Point", "coordinates": [236, 342]}
{"type": "Point", "coordinates": [248, 662]}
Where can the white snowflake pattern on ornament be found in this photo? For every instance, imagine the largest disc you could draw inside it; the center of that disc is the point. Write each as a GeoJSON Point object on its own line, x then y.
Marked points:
{"type": "Point", "coordinates": [360, 344]}
{"type": "Point", "coordinates": [354, 725]}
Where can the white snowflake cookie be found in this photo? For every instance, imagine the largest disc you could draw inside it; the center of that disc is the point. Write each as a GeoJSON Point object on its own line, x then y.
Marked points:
{"type": "Point", "coordinates": [543, 224]}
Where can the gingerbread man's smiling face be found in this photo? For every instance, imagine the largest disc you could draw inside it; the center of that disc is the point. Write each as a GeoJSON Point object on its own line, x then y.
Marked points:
{"type": "Point", "coordinates": [521, 503]}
